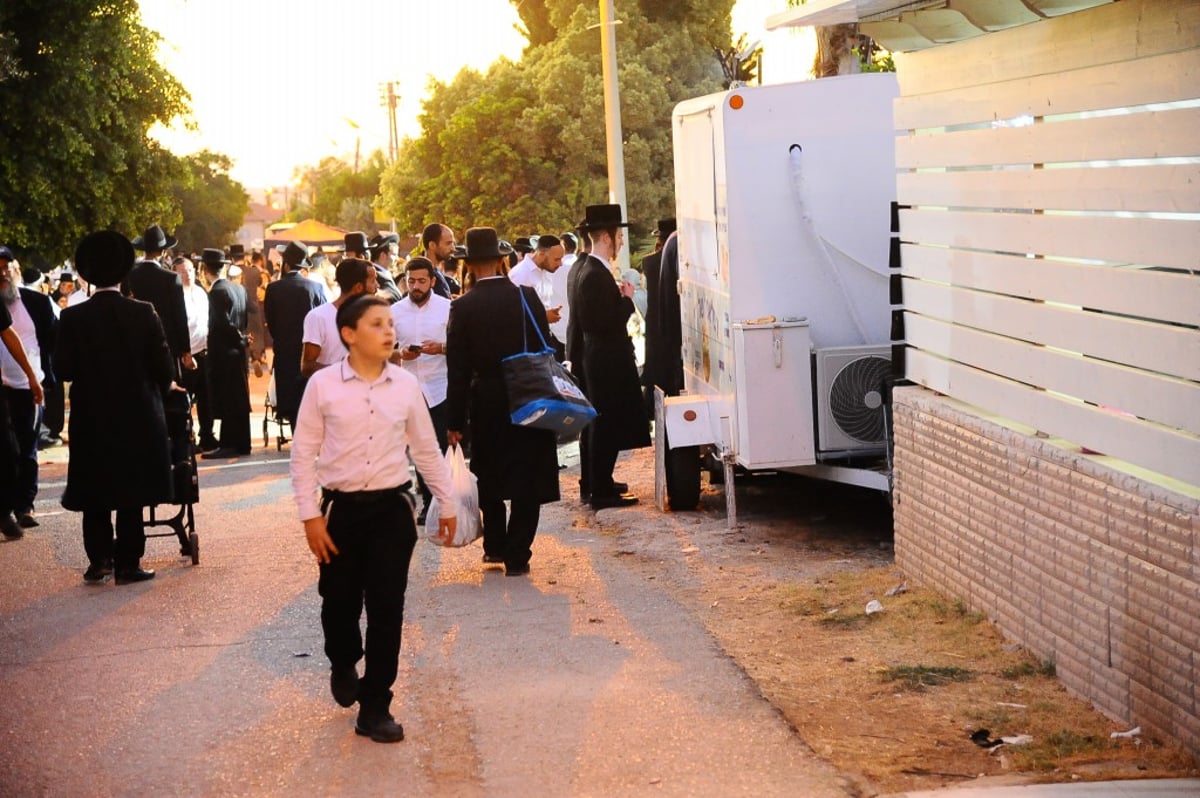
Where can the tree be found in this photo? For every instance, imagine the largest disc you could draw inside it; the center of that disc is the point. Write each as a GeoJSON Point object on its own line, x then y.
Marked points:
{"type": "Point", "coordinates": [522, 146]}
{"type": "Point", "coordinates": [333, 192]}
{"type": "Point", "coordinates": [212, 203]}
{"type": "Point", "coordinates": [80, 87]}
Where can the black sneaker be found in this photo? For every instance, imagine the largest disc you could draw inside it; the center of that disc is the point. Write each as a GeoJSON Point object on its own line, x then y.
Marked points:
{"type": "Point", "coordinates": [26, 520]}
{"type": "Point", "coordinates": [97, 573]}
{"type": "Point", "coordinates": [10, 528]}
{"type": "Point", "coordinates": [379, 725]}
{"type": "Point", "coordinates": [343, 683]}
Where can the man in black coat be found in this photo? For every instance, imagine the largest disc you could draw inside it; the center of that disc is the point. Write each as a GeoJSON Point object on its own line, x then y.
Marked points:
{"type": "Point", "coordinates": [288, 301]}
{"type": "Point", "coordinates": [357, 246]}
{"type": "Point", "coordinates": [36, 324]}
{"type": "Point", "coordinates": [113, 352]}
{"type": "Point", "coordinates": [151, 281]}
{"type": "Point", "coordinates": [228, 384]}
{"type": "Point", "coordinates": [520, 464]}
{"type": "Point", "coordinates": [600, 348]}
{"type": "Point", "coordinates": [651, 268]}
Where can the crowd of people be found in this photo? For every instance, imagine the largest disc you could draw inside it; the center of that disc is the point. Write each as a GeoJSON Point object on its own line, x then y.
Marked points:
{"type": "Point", "coordinates": [393, 363]}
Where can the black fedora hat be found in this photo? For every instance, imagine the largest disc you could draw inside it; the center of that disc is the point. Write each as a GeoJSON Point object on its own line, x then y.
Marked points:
{"type": "Point", "coordinates": [665, 228]}
{"type": "Point", "coordinates": [237, 250]}
{"type": "Point", "coordinates": [382, 240]}
{"type": "Point", "coordinates": [103, 258]}
{"type": "Point", "coordinates": [356, 242]}
{"type": "Point", "coordinates": [295, 253]}
{"type": "Point", "coordinates": [482, 243]}
{"type": "Point", "coordinates": [523, 245]}
{"type": "Point", "coordinates": [459, 252]}
{"type": "Point", "coordinates": [602, 217]}
{"type": "Point", "coordinates": [213, 257]}
{"type": "Point", "coordinates": [153, 239]}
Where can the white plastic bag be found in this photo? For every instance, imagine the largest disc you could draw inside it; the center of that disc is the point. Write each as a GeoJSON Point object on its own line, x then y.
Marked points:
{"type": "Point", "coordinates": [466, 498]}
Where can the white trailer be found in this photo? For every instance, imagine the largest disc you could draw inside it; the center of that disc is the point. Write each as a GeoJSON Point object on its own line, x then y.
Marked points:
{"type": "Point", "coordinates": [784, 201]}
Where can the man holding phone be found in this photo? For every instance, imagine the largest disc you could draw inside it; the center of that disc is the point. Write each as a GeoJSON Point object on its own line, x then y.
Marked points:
{"type": "Point", "coordinates": [537, 271]}
{"type": "Point", "coordinates": [420, 324]}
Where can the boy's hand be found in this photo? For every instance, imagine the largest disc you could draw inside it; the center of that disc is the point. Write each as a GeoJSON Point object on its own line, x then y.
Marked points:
{"type": "Point", "coordinates": [318, 539]}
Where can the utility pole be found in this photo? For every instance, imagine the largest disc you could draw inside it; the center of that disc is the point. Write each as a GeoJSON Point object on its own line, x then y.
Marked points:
{"type": "Point", "coordinates": [612, 119]}
{"type": "Point", "coordinates": [389, 100]}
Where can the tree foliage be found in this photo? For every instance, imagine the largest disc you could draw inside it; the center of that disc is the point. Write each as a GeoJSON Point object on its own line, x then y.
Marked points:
{"type": "Point", "coordinates": [522, 146]}
{"type": "Point", "coordinates": [334, 193]}
{"type": "Point", "coordinates": [212, 203]}
{"type": "Point", "coordinates": [80, 87]}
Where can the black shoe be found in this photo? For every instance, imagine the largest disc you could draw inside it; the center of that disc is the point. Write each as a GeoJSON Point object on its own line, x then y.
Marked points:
{"type": "Point", "coordinates": [49, 442]}
{"type": "Point", "coordinates": [421, 516]}
{"type": "Point", "coordinates": [128, 576]}
{"type": "Point", "coordinates": [343, 683]}
{"type": "Point", "coordinates": [209, 444]}
{"type": "Point", "coordinates": [97, 574]}
{"type": "Point", "coordinates": [9, 527]}
{"type": "Point", "coordinates": [488, 559]}
{"type": "Point", "coordinates": [26, 520]}
{"type": "Point", "coordinates": [618, 487]}
{"type": "Point", "coordinates": [379, 725]}
{"type": "Point", "coordinates": [516, 570]}
{"type": "Point", "coordinates": [613, 500]}
{"type": "Point", "coordinates": [222, 454]}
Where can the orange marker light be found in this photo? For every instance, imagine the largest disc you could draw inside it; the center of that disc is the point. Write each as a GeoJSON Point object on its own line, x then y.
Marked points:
{"type": "Point", "coordinates": [689, 415]}
{"type": "Point", "coordinates": [736, 102]}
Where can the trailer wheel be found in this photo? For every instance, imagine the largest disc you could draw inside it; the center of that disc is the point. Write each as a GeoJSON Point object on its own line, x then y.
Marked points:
{"type": "Point", "coordinates": [683, 478]}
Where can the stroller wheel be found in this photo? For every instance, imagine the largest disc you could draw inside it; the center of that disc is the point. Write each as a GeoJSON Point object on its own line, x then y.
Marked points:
{"type": "Point", "coordinates": [194, 540]}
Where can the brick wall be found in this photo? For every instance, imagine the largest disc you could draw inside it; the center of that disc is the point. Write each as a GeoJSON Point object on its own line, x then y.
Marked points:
{"type": "Point", "coordinates": [1089, 567]}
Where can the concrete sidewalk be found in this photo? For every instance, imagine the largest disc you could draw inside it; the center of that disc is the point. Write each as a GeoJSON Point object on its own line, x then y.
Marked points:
{"type": "Point", "coordinates": [1158, 788]}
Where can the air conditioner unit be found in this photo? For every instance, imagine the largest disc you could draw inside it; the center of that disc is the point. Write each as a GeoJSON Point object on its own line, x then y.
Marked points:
{"type": "Point", "coordinates": [850, 390]}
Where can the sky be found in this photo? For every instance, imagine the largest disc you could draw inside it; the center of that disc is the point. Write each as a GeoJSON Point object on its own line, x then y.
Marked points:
{"type": "Point", "coordinates": [280, 84]}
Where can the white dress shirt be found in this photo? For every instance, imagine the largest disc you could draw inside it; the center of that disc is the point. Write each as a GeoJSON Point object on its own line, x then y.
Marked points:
{"type": "Point", "coordinates": [320, 328]}
{"type": "Point", "coordinates": [542, 282]}
{"type": "Point", "coordinates": [558, 284]}
{"type": "Point", "coordinates": [416, 324]}
{"type": "Point", "coordinates": [10, 373]}
{"type": "Point", "coordinates": [195, 299]}
{"type": "Point", "coordinates": [352, 435]}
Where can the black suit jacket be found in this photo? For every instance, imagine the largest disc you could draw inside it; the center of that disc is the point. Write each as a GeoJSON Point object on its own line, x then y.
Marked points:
{"type": "Point", "coordinates": [111, 350]}
{"type": "Point", "coordinates": [228, 389]}
{"type": "Point", "coordinates": [487, 324]}
{"type": "Point", "coordinates": [162, 288]}
{"type": "Point", "coordinates": [45, 325]}
{"type": "Point", "coordinates": [288, 301]}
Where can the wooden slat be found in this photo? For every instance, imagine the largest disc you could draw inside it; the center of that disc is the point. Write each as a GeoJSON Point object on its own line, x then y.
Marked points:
{"type": "Point", "coordinates": [1155, 134]}
{"type": "Point", "coordinates": [1146, 242]}
{"type": "Point", "coordinates": [1173, 188]}
{"type": "Point", "coordinates": [1163, 348]}
{"type": "Point", "coordinates": [1173, 402]}
{"type": "Point", "coordinates": [1164, 78]}
{"type": "Point", "coordinates": [1166, 451]}
{"type": "Point", "coordinates": [1119, 32]}
{"type": "Point", "coordinates": [1151, 294]}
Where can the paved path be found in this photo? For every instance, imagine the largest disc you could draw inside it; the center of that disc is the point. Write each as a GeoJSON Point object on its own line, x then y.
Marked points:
{"type": "Point", "coordinates": [583, 679]}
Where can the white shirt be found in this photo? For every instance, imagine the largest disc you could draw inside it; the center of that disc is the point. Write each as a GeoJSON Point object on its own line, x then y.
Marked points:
{"type": "Point", "coordinates": [195, 299]}
{"type": "Point", "coordinates": [352, 435]}
{"type": "Point", "coordinates": [542, 282]}
{"type": "Point", "coordinates": [11, 374]}
{"type": "Point", "coordinates": [558, 283]}
{"type": "Point", "coordinates": [76, 297]}
{"type": "Point", "coordinates": [416, 324]}
{"type": "Point", "coordinates": [320, 328]}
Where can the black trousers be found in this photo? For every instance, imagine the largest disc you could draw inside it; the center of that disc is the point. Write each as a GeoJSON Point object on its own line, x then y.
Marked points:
{"type": "Point", "coordinates": [512, 540]}
{"type": "Point", "coordinates": [196, 382]}
{"type": "Point", "coordinates": [98, 537]}
{"type": "Point", "coordinates": [597, 461]}
{"type": "Point", "coordinates": [25, 418]}
{"type": "Point", "coordinates": [438, 414]}
{"type": "Point", "coordinates": [375, 539]}
{"type": "Point", "coordinates": [55, 415]}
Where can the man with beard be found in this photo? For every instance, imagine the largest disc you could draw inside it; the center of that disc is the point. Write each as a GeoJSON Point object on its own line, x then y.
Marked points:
{"type": "Point", "coordinates": [438, 242]}
{"type": "Point", "coordinates": [537, 271]}
{"type": "Point", "coordinates": [288, 301]}
{"type": "Point", "coordinates": [601, 351]}
{"type": "Point", "coordinates": [229, 386]}
{"type": "Point", "coordinates": [519, 464]}
{"type": "Point", "coordinates": [420, 324]}
{"type": "Point", "coordinates": [358, 247]}
{"type": "Point", "coordinates": [27, 316]}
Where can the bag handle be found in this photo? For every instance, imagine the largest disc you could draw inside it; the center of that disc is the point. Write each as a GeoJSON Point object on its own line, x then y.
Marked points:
{"type": "Point", "coordinates": [536, 328]}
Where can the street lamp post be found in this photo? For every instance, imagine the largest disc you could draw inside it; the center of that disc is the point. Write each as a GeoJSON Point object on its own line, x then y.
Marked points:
{"type": "Point", "coordinates": [612, 118]}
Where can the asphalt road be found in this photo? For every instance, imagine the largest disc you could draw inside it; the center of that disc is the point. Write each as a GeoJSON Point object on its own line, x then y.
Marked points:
{"type": "Point", "coordinates": [584, 678]}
